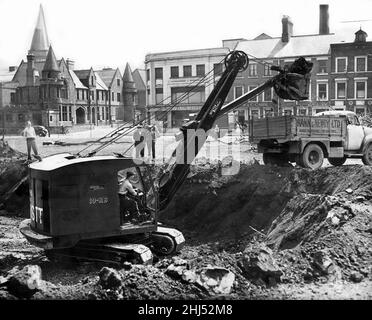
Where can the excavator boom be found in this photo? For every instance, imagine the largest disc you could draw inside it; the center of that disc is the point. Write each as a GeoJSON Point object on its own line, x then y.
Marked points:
{"type": "Point", "coordinates": [291, 83]}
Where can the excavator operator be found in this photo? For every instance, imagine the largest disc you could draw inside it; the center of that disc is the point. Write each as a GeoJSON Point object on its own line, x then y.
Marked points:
{"type": "Point", "coordinates": [128, 199]}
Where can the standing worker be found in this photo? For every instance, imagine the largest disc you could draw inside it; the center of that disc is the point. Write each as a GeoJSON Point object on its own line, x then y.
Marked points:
{"type": "Point", "coordinates": [138, 137]}
{"type": "Point", "coordinates": [29, 133]}
{"type": "Point", "coordinates": [154, 134]}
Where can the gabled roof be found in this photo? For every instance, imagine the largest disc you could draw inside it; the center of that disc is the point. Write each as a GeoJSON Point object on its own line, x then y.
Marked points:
{"type": "Point", "coordinates": [76, 80]}
{"type": "Point", "coordinates": [6, 75]}
{"type": "Point", "coordinates": [107, 75]}
{"type": "Point", "coordinates": [306, 45]}
{"type": "Point", "coordinates": [21, 73]}
{"type": "Point", "coordinates": [40, 40]}
{"type": "Point", "coordinates": [139, 76]}
{"type": "Point", "coordinates": [100, 85]}
{"type": "Point", "coordinates": [82, 74]}
{"type": "Point", "coordinates": [51, 61]}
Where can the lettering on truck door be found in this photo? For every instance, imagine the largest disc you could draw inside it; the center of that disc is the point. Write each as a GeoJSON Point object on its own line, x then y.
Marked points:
{"type": "Point", "coordinates": [355, 133]}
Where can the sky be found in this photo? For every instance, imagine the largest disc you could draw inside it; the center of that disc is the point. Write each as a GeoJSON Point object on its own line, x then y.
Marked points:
{"type": "Point", "coordinates": [110, 33]}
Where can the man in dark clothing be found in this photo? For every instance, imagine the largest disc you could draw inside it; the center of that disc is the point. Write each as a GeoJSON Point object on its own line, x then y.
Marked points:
{"type": "Point", "coordinates": [151, 137]}
{"type": "Point", "coordinates": [128, 205]}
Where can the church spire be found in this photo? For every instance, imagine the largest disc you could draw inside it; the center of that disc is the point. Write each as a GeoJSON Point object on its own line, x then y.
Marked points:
{"type": "Point", "coordinates": [40, 41]}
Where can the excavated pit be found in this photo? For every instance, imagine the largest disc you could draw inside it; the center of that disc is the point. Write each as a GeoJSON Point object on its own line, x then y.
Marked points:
{"type": "Point", "coordinates": [317, 223]}
{"type": "Point", "coordinates": [211, 207]}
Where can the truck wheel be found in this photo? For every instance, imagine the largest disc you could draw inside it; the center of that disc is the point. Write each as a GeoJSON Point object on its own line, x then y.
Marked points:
{"type": "Point", "coordinates": [337, 161]}
{"type": "Point", "coordinates": [313, 156]}
{"type": "Point", "coordinates": [367, 156]}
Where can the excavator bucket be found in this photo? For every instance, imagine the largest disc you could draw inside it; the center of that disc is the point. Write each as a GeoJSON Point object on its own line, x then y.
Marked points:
{"type": "Point", "coordinates": [293, 83]}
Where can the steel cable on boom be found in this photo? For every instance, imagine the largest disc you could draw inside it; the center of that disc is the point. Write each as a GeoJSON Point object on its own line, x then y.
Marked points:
{"type": "Point", "coordinates": [180, 99]}
{"type": "Point", "coordinates": [183, 97]}
{"type": "Point", "coordinates": [210, 82]}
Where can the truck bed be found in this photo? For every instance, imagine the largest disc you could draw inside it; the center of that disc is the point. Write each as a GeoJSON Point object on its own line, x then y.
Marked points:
{"type": "Point", "coordinates": [292, 128]}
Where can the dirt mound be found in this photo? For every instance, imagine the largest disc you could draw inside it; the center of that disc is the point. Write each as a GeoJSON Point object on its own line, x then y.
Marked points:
{"type": "Point", "coordinates": [297, 212]}
{"type": "Point", "coordinates": [210, 206]}
{"type": "Point", "coordinates": [13, 186]}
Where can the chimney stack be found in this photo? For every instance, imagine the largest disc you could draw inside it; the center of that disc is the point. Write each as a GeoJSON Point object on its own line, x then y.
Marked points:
{"type": "Point", "coordinates": [30, 80]}
{"type": "Point", "coordinates": [287, 28]}
{"type": "Point", "coordinates": [70, 64]}
{"type": "Point", "coordinates": [323, 19]}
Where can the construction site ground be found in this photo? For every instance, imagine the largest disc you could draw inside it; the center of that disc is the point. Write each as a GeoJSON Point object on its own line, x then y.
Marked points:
{"type": "Point", "coordinates": [284, 233]}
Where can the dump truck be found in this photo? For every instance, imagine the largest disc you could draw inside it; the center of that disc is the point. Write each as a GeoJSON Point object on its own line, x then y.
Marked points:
{"type": "Point", "coordinates": [308, 140]}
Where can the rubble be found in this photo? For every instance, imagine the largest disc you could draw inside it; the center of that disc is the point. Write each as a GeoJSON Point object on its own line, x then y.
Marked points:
{"type": "Point", "coordinates": [258, 264]}
{"type": "Point", "coordinates": [24, 283]}
{"type": "Point", "coordinates": [109, 278]}
{"type": "Point", "coordinates": [216, 280]}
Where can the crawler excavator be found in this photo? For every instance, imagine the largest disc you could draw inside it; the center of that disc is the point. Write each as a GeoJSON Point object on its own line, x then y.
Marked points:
{"type": "Point", "coordinates": [74, 203]}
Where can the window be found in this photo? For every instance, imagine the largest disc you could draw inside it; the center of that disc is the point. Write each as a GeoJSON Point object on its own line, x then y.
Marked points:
{"type": "Point", "coordinates": [250, 88]}
{"type": "Point", "coordinates": [200, 70]}
{"type": "Point", "coordinates": [64, 113]}
{"type": "Point", "coordinates": [322, 66]}
{"type": "Point", "coordinates": [118, 82]}
{"type": "Point", "coordinates": [92, 80]}
{"type": "Point", "coordinates": [97, 95]}
{"type": "Point", "coordinates": [187, 71]}
{"type": "Point", "coordinates": [302, 112]}
{"type": "Point", "coordinates": [118, 96]}
{"type": "Point", "coordinates": [21, 117]}
{"type": "Point", "coordinates": [103, 95]}
{"type": "Point", "coordinates": [70, 113]}
{"type": "Point", "coordinates": [360, 89]}
{"type": "Point", "coordinates": [341, 64]}
{"type": "Point", "coordinates": [255, 113]}
{"type": "Point", "coordinates": [197, 96]}
{"type": "Point", "coordinates": [158, 73]}
{"type": "Point", "coordinates": [217, 69]}
{"type": "Point", "coordinates": [360, 64]}
{"type": "Point", "coordinates": [159, 95]}
{"type": "Point", "coordinates": [267, 95]}
{"type": "Point", "coordinates": [322, 93]}
{"type": "Point", "coordinates": [340, 90]}
{"type": "Point", "coordinates": [64, 93]}
{"type": "Point", "coordinates": [252, 70]}
{"type": "Point", "coordinates": [92, 95]}
{"type": "Point", "coordinates": [148, 75]}
{"type": "Point", "coordinates": [238, 91]}
{"type": "Point", "coordinates": [360, 111]}
{"type": "Point", "coordinates": [174, 72]}
{"type": "Point", "coordinates": [267, 70]}
{"type": "Point", "coordinates": [58, 92]}
{"type": "Point", "coordinates": [113, 96]}
{"type": "Point", "coordinates": [12, 97]}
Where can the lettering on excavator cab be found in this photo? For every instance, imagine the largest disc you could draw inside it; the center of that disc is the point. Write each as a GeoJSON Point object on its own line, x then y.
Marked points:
{"type": "Point", "coordinates": [98, 200]}
{"type": "Point", "coordinates": [36, 214]}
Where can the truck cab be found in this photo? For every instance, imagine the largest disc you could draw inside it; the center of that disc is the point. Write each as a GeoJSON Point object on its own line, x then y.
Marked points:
{"type": "Point", "coordinates": [357, 135]}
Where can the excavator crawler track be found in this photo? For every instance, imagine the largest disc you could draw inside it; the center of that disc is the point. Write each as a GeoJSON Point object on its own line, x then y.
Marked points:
{"type": "Point", "coordinates": [113, 253]}
{"type": "Point", "coordinates": [166, 241]}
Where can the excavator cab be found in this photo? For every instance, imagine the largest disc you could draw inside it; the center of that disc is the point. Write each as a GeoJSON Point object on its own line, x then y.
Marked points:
{"type": "Point", "coordinates": [74, 203]}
